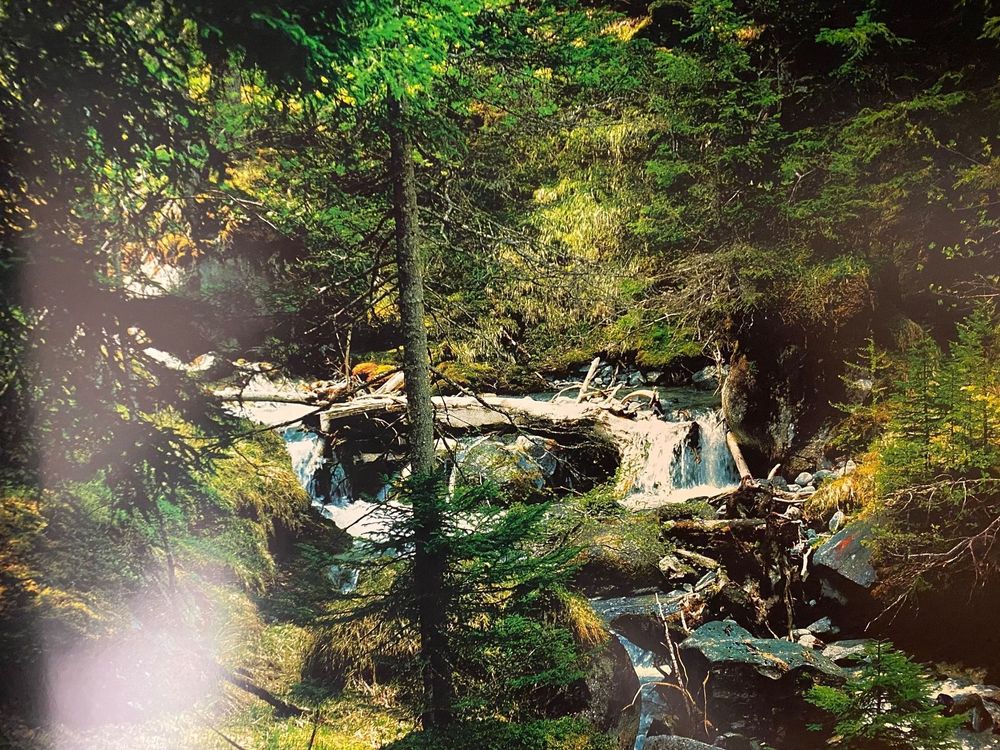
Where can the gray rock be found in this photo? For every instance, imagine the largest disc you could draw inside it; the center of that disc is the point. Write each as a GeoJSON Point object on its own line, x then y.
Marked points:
{"type": "Point", "coordinates": [725, 644]}
{"type": "Point", "coordinates": [808, 640]}
{"type": "Point", "coordinates": [809, 490]}
{"type": "Point", "coordinates": [823, 626]}
{"type": "Point", "coordinates": [846, 555]}
{"type": "Point", "coordinates": [706, 378]}
{"type": "Point", "coordinates": [847, 653]}
{"type": "Point", "coordinates": [823, 475]}
{"type": "Point", "coordinates": [609, 687]}
{"type": "Point", "coordinates": [675, 569]}
{"type": "Point", "coordinates": [663, 742]}
{"type": "Point", "coordinates": [653, 376]}
{"type": "Point", "coordinates": [803, 479]}
{"type": "Point", "coordinates": [777, 483]}
{"type": "Point", "coordinates": [836, 521]}
{"type": "Point", "coordinates": [636, 379]}
{"type": "Point", "coordinates": [850, 467]}
{"type": "Point", "coordinates": [793, 487]}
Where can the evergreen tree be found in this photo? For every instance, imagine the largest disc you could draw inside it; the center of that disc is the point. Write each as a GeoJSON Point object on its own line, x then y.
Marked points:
{"type": "Point", "coordinates": [499, 580]}
{"type": "Point", "coordinates": [888, 707]}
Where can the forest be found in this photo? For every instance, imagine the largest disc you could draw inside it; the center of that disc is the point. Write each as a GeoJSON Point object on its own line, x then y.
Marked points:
{"type": "Point", "coordinates": [499, 374]}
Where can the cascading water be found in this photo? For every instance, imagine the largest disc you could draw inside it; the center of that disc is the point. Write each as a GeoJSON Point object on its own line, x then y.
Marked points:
{"type": "Point", "coordinates": [650, 670]}
{"type": "Point", "coordinates": [685, 459]}
{"type": "Point", "coordinates": [306, 449]}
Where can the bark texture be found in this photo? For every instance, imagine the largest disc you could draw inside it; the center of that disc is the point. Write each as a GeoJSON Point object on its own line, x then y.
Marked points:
{"type": "Point", "coordinates": [429, 562]}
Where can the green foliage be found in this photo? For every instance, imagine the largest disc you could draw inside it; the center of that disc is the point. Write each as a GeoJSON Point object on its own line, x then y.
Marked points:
{"type": "Point", "coordinates": [558, 734]}
{"type": "Point", "coordinates": [501, 585]}
{"type": "Point", "coordinates": [75, 556]}
{"type": "Point", "coordinates": [888, 706]}
{"type": "Point", "coordinates": [859, 41]}
{"type": "Point", "coordinates": [944, 409]}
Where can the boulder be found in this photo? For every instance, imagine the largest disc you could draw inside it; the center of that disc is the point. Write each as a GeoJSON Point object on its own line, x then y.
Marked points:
{"type": "Point", "coordinates": [663, 742]}
{"type": "Point", "coordinates": [846, 556]}
{"type": "Point", "coordinates": [822, 475]}
{"type": "Point", "coordinates": [848, 653]}
{"type": "Point", "coordinates": [755, 686]}
{"type": "Point", "coordinates": [707, 378]}
{"type": "Point", "coordinates": [724, 644]}
{"type": "Point", "coordinates": [607, 691]}
{"type": "Point", "coordinates": [804, 478]}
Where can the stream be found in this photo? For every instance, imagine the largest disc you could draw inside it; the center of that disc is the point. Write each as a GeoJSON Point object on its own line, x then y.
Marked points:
{"type": "Point", "coordinates": [685, 457]}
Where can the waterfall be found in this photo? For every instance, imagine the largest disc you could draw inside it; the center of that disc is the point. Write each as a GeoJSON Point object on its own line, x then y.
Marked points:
{"type": "Point", "coordinates": [306, 449]}
{"type": "Point", "coordinates": [684, 459]}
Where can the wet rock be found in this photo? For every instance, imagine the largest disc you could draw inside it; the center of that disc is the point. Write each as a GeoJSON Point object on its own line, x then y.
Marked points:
{"type": "Point", "coordinates": [676, 743]}
{"type": "Point", "coordinates": [848, 653]}
{"type": "Point", "coordinates": [846, 555]}
{"type": "Point", "coordinates": [607, 691]}
{"type": "Point", "coordinates": [658, 727]}
{"type": "Point", "coordinates": [724, 644]}
{"type": "Point", "coordinates": [804, 478]}
{"type": "Point", "coordinates": [755, 684]}
{"type": "Point", "coordinates": [707, 378]}
{"type": "Point", "coordinates": [636, 379]}
{"type": "Point", "coordinates": [675, 570]}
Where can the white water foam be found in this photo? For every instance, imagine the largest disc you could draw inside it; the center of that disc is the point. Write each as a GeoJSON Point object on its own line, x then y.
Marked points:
{"type": "Point", "coordinates": [683, 460]}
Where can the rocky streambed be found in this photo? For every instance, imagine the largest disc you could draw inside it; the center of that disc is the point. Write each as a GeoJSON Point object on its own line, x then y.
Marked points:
{"type": "Point", "coordinates": [713, 644]}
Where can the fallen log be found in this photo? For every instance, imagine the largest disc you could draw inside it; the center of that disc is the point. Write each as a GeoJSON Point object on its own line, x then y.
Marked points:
{"type": "Point", "coordinates": [741, 464]}
{"type": "Point", "coordinates": [712, 525]}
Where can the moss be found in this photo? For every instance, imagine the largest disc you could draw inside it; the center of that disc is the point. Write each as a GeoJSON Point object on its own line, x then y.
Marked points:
{"type": "Point", "coordinates": [366, 371]}
{"type": "Point", "coordinates": [550, 734]}
{"type": "Point", "coordinates": [686, 511]}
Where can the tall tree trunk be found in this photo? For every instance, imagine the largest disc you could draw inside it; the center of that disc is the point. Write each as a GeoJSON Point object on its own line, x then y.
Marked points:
{"type": "Point", "coordinates": [429, 562]}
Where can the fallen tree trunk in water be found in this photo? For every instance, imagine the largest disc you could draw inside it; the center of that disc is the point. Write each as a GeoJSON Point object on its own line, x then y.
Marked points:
{"type": "Point", "coordinates": [741, 464]}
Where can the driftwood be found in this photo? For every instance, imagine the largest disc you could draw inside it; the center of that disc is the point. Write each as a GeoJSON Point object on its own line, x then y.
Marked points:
{"type": "Point", "coordinates": [586, 381]}
{"type": "Point", "coordinates": [746, 477]}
